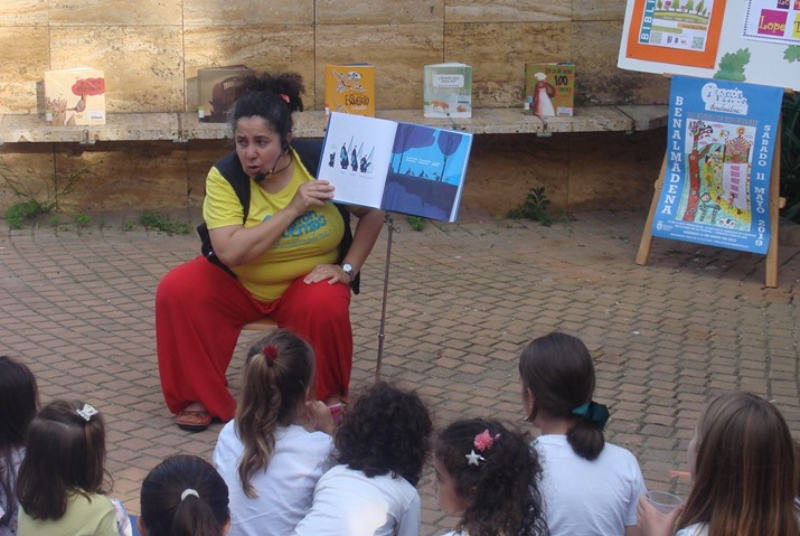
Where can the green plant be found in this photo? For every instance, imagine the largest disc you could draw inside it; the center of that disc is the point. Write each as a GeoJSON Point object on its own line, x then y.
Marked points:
{"type": "Point", "coordinates": [82, 220]}
{"type": "Point", "coordinates": [55, 220]}
{"type": "Point", "coordinates": [790, 162]}
{"type": "Point", "coordinates": [33, 201]}
{"type": "Point", "coordinates": [534, 208]}
{"type": "Point", "coordinates": [18, 213]}
{"type": "Point", "coordinates": [417, 223]}
{"type": "Point", "coordinates": [128, 225]}
{"type": "Point", "coordinates": [167, 224]}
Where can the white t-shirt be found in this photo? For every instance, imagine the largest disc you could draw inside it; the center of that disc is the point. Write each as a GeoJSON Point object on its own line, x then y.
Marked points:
{"type": "Point", "coordinates": [284, 489]}
{"type": "Point", "coordinates": [347, 502]}
{"type": "Point", "coordinates": [698, 529]}
{"type": "Point", "coordinates": [588, 498]}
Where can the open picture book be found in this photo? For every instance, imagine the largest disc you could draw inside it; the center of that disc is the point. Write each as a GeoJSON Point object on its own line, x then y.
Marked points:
{"type": "Point", "coordinates": [398, 167]}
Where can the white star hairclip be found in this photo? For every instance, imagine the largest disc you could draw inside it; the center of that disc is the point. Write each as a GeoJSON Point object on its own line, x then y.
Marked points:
{"type": "Point", "coordinates": [87, 412]}
{"type": "Point", "coordinates": [473, 458]}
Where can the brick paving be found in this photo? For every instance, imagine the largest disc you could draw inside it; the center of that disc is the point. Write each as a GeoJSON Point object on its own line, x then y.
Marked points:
{"type": "Point", "coordinates": [464, 298]}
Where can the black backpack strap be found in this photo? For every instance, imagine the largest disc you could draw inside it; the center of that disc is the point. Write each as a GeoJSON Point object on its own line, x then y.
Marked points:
{"type": "Point", "coordinates": [230, 167]}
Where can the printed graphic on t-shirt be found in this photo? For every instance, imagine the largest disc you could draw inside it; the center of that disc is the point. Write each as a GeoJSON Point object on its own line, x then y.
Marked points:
{"type": "Point", "coordinates": [309, 228]}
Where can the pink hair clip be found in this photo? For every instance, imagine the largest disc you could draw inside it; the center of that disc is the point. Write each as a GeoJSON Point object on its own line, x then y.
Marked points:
{"type": "Point", "coordinates": [270, 352]}
{"type": "Point", "coordinates": [484, 441]}
{"type": "Point", "coordinates": [285, 97]}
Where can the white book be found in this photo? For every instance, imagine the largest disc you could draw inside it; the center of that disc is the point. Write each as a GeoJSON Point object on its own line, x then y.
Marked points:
{"type": "Point", "coordinates": [398, 167]}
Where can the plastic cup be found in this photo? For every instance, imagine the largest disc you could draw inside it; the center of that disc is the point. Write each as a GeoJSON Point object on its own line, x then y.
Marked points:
{"type": "Point", "coordinates": [665, 502]}
{"type": "Point", "coordinates": [336, 413]}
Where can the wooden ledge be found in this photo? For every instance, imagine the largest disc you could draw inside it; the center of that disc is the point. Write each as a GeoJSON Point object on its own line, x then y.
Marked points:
{"type": "Point", "coordinates": [183, 127]}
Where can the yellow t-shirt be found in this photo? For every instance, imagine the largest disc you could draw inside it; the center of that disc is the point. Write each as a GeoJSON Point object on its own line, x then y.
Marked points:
{"type": "Point", "coordinates": [85, 516]}
{"type": "Point", "coordinates": [311, 239]}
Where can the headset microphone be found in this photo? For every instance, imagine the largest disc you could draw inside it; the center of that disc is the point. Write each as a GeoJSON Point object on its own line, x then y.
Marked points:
{"type": "Point", "coordinates": [261, 176]}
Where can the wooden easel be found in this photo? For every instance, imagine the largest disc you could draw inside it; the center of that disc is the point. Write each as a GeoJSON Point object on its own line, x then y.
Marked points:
{"type": "Point", "coordinates": [775, 204]}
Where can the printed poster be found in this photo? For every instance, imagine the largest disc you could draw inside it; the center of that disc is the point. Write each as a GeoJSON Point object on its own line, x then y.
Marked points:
{"type": "Point", "coordinates": [680, 32]}
{"type": "Point", "coordinates": [776, 21]}
{"type": "Point", "coordinates": [720, 144]}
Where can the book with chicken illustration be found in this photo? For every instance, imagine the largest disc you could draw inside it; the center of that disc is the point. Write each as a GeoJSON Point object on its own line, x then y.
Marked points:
{"type": "Point", "coordinates": [350, 89]}
{"type": "Point", "coordinates": [75, 96]}
{"type": "Point", "coordinates": [447, 90]}
{"type": "Point", "coordinates": [550, 88]}
{"type": "Point", "coordinates": [399, 167]}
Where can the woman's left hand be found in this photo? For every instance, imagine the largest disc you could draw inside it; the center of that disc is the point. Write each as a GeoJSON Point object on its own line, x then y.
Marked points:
{"type": "Point", "coordinates": [332, 273]}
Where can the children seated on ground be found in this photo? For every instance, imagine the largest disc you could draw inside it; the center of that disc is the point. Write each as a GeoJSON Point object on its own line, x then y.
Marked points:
{"type": "Point", "coordinates": [60, 486]}
{"type": "Point", "coordinates": [184, 496]}
{"type": "Point", "coordinates": [489, 477]}
{"type": "Point", "coordinates": [269, 461]}
{"type": "Point", "coordinates": [19, 400]}
{"type": "Point", "coordinates": [590, 487]}
{"type": "Point", "coordinates": [743, 466]}
{"type": "Point", "coordinates": [383, 441]}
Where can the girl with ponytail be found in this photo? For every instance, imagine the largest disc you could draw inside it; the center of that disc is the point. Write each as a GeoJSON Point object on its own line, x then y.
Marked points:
{"type": "Point", "coordinates": [591, 487]}
{"type": "Point", "coordinates": [277, 447]}
{"type": "Point", "coordinates": [184, 496]}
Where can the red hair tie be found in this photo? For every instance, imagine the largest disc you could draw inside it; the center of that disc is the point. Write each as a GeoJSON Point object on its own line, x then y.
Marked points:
{"type": "Point", "coordinates": [270, 352]}
{"type": "Point", "coordinates": [285, 97]}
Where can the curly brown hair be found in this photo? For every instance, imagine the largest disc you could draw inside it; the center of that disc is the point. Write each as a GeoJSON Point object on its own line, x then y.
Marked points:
{"type": "Point", "coordinates": [266, 96]}
{"type": "Point", "coordinates": [502, 492]}
{"type": "Point", "coordinates": [387, 430]}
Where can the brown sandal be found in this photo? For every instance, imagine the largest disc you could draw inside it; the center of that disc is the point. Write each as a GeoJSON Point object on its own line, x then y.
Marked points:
{"type": "Point", "coordinates": [193, 420]}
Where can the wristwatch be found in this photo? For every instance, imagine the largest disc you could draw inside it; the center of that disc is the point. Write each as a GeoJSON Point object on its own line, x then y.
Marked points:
{"type": "Point", "coordinates": [348, 269]}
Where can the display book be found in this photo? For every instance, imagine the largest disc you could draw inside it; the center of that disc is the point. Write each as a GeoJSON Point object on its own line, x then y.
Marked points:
{"type": "Point", "coordinates": [550, 88]}
{"type": "Point", "coordinates": [75, 96]}
{"type": "Point", "coordinates": [217, 90]}
{"type": "Point", "coordinates": [398, 167]}
{"type": "Point", "coordinates": [350, 89]}
{"type": "Point", "coordinates": [447, 90]}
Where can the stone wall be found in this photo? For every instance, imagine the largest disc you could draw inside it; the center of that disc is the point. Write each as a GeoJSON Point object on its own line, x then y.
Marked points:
{"type": "Point", "coordinates": [151, 51]}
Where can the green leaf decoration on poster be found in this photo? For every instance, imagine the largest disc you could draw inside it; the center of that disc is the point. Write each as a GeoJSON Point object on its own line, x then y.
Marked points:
{"type": "Point", "coordinates": [731, 66]}
{"type": "Point", "coordinates": [792, 53]}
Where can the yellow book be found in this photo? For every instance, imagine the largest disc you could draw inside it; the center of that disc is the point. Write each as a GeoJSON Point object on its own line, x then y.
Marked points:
{"type": "Point", "coordinates": [350, 89]}
{"type": "Point", "coordinates": [75, 97]}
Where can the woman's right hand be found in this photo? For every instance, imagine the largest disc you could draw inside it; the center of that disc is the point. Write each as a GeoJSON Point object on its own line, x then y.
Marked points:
{"type": "Point", "coordinates": [652, 521]}
{"type": "Point", "coordinates": [319, 416]}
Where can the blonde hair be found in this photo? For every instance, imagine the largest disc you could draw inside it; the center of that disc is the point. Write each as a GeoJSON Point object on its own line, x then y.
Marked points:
{"type": "Point", "coordinates": [278, 373]}
{"type": "Point", "coordinates": [745, 477]}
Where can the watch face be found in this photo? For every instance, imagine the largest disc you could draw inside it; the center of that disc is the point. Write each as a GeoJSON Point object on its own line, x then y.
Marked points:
{"type": "Point", "coordinates": [348, 269]}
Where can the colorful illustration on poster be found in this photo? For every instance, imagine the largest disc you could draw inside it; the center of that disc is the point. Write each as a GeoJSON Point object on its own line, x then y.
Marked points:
{"type": "Point", "coordinates": [776, 21]}
{"type": "Point", "coordinates": [679, 32]}
{"type": "Point", "coordinates": [678, 24]}
{"type": "Point", "coordinates": [720, 144]}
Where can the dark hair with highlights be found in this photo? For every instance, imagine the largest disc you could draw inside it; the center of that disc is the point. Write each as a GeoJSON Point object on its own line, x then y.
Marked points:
{"type": "Point", "coordinates": [745, 475]}
{"type": "Point", "coordinates": [272, 393]}
{"type": "Point", "coordinates": [387, 430]}
{"type": "Point", "coordinates": [558, 370]}
{"type": "Point", "coordinates": [19, 400]}
{"type": "Point", "coordinates": [64, 454]}
{"type": "Point", "coordinates": [164, 513]}
{"type": "Point", "coordinates": [261, 97]}
{"type": "Point", "coordinates": [502, 491]}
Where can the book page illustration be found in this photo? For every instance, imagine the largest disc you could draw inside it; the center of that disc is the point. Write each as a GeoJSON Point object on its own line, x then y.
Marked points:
{"type": "Point", "coordinates": [426, 173]}
{"type": "Point", "coordinates": [399, 167]}
{"type": "Point", "coordinates": [355, 159]}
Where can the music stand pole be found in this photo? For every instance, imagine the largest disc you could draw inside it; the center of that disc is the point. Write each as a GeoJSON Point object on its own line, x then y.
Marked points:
{"type": "Point", "coordinates": [389, 221]}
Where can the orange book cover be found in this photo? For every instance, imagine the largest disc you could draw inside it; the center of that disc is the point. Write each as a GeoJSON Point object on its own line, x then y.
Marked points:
{"type": "Point", "coordinates": [350, 89]}
{"type": "Point", "coordinates": [75, 96]}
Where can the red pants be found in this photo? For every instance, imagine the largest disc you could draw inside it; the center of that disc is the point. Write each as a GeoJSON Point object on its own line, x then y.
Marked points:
{"type": "Point", "coordinates": [200, 310]}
